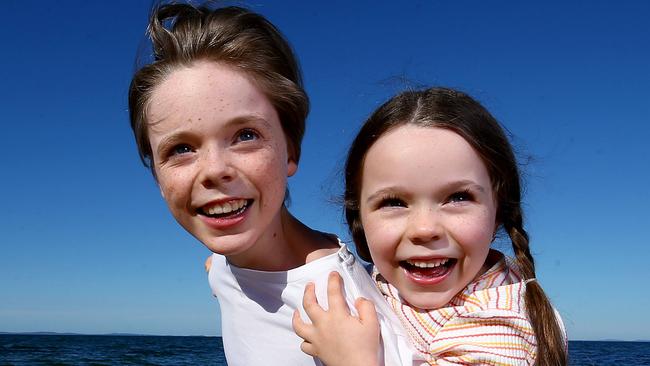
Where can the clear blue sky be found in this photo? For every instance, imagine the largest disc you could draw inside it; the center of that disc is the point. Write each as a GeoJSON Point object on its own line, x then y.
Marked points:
{"type": "Point", "coordinates": [87, 244]}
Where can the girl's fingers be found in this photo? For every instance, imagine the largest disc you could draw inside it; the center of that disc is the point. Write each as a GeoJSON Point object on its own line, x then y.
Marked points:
{"type": "Point", "coordinates": [366, 310]}
{"type": "Point", "coordinates": [335, 296]}
{"type": "Point", "coordinates": [208, 264]}
{"type": "Point", "coordinates": [310, 303]}
{"type": "Point", "coordinates": [308, 348]}
{"type": "Point", "coordinates": [301, 328]}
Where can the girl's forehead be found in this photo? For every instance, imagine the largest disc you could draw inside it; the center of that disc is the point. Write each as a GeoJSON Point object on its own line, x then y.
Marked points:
{"type": "Point", "coordinates": [428, 155]}
{"type": "Point", "coordinates": [412, 139]}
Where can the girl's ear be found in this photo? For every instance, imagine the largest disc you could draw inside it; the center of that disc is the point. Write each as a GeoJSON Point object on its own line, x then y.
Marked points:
{"type": "Point", "coordinates": [496, 230]}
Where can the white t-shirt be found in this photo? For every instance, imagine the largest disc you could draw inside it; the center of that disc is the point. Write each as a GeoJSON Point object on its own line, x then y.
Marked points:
{"type": "Point", "coordinates": [257, 307]}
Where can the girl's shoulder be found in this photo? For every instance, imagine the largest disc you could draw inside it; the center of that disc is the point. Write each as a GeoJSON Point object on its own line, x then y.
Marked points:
{"type": "Point", "coordinates": [501, 287]}
{"type": "Point", "coordinates": [492, 312]}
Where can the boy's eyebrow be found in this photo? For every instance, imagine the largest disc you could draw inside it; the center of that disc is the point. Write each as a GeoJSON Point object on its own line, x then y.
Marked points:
{"type": "Point", "coordinates": [169, 141]}
{"type": "Point", "coordinates": [175, 136]}
{"type": "Point", "coordinates": [248, 118]}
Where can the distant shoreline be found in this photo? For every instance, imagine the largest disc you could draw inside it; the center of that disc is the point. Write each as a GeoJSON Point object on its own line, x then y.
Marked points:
{"type": "Point", "coordinates": [105, 334]}
{"type": "Point", "coordinates": [218, 336]}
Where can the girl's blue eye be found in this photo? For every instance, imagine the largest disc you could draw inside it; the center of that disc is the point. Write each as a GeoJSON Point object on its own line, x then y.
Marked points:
{"type": "Point", "coordinates": [463, 196]}
{"type": "Point", "coordinates": [391, 202]}
{"type": "Point", "coordinates": [247, 135]}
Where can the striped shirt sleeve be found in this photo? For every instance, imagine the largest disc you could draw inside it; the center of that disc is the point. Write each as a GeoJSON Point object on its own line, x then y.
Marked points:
{"type": "Point", "coordinates": [490, 337]}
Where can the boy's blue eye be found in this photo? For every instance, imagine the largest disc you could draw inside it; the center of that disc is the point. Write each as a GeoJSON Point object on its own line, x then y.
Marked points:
{"type": "Point", "coordinates": [181, 149]}
{"type": "Point", "coordinates": [247, 135]}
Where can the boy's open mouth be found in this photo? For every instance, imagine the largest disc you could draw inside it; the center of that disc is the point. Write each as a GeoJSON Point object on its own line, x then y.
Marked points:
{"type": "Point", "coordinates": [225, 209]}
{"type": "Point", "coordinates": [428, 269]}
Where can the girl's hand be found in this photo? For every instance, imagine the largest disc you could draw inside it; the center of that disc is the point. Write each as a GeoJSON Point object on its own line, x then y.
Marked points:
{"type": "Point", "coordinates": [335, 336]}
{"type": "Point", "coordinates": [208, 264]}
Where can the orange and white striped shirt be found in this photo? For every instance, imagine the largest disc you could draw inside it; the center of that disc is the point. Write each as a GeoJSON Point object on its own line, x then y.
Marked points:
{"type": "Point", "coordinates": [485, 324]}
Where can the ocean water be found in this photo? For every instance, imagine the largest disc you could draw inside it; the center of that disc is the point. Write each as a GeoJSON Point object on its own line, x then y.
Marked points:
{"type": "Point", "coordinates": [590, 353]}
{"type": "Point", "coordinates": [64, 350]}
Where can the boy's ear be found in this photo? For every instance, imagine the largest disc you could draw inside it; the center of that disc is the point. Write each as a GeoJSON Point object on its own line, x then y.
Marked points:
{"type": "Point", "coordinates": [161, 191]}
{"type": "Point", "coordinates": [155, 179]}
{"type": "Point", "coordinates": [292, 167]}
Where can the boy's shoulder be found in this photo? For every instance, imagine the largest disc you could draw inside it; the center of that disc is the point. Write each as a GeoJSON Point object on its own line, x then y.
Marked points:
{"type": "Point", "coordinates": [322, 244]}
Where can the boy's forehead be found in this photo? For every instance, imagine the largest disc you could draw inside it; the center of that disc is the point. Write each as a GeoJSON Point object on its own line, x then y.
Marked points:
{"type": "Point", "coordinates": [188, 96]}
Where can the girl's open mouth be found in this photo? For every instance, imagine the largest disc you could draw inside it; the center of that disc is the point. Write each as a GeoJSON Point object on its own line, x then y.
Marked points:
{"type": "Point", "coordinates": [428, 270]}
{"type": "Point", "coordinates": [225, 210]}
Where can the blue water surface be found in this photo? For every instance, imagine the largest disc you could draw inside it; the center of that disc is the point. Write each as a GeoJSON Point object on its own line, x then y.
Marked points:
{"type": "Point", "coordinates": [97, 350]}
{"type": "Point", "coordinates": [110, 350]}
{"type": "Point", "coordinates": [591, 353]}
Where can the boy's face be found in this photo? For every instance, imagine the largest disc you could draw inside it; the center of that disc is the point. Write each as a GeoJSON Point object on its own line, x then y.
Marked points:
{"type": "Point", "coordinates": [220, 157]}
{"type": "Point", "coordinates": [428, 212]}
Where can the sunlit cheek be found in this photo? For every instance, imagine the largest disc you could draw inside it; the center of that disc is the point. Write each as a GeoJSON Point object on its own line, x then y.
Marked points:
{"type": "Point", "coordinates": [475, 230]}
{"type": "Point", "coordinates": [267, 172]}
{"type": "Point", "coordinates": [170, 194]}
{"type": "Point", "coordinates": [383, 239]}
{"type": "Point", "coordinates": [172, 187]}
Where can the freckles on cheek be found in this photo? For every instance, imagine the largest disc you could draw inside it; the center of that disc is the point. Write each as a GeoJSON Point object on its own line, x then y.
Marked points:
{"type": "Point", "coordinates": [379, 238]}
{"type": "Point", "coordinates": [478, 229]}
{"type": "Point", "coordinates": [169, 194]}
{"type": "Point", "coordinates": [169, 187]}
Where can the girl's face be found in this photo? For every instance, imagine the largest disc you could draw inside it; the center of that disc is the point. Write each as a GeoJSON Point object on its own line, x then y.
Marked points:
{"type": "Point", "coordinates": [428, 212]}
{"type": "Point", "coordinates": [220, 158]}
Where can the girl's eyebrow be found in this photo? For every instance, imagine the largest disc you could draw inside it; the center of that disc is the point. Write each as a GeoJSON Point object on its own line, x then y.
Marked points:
{"type": "Point", "coordinates": [446, 187]}
{"type": "Point", "coordinates": [465, 183]}
{"type": "Point", "coordinates": [382, 193]}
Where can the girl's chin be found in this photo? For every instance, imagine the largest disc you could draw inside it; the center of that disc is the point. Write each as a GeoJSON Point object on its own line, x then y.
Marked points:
{"type": "Point", "coordinates": [428, 299]}
{"type": "Point", "coordinates": [427, 303]}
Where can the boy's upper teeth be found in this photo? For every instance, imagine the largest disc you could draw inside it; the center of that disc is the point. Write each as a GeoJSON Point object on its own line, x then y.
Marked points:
{"type": "Point", "coordinates": [428, 264]}
{"type": "Point", "coordinates": [225, 207]}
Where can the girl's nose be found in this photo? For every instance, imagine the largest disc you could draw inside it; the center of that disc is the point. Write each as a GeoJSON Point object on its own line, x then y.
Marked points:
{"type": "Point", "coordinates": [216, 167]}
{"type": "Point", "coordinates": [423, 226]}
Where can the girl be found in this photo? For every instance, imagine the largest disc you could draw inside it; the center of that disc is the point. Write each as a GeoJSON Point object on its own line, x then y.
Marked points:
{"type": "Point", "coordinates": [219, 116]}
{"type": "Point", "coordinates": [430, 179]}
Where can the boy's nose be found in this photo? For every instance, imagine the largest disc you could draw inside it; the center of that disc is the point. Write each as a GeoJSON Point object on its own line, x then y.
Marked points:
{"type": "Point", "coordinates": [216, 168]}
{"type": "Point", "coordinates": [423, 226]}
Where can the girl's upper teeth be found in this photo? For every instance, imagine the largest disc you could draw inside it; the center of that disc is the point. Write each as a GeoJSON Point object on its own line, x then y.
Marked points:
{"type": "Point", "coordinates": [428, 264]}
{"type": "Point", "coordinates": [225, 207]}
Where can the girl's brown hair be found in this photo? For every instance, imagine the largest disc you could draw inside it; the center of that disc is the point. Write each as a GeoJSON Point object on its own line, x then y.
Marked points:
{"type": "Point", "coordinates": [458, 112]}
{"type": "Point", "coordinates": [182, 34]}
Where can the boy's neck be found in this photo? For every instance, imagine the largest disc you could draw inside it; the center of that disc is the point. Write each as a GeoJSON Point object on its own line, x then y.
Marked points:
{"type": "Point", "coordinates": [290, 244]}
